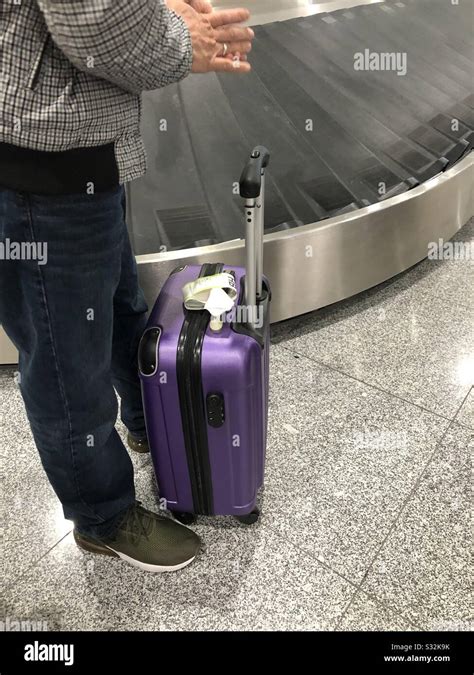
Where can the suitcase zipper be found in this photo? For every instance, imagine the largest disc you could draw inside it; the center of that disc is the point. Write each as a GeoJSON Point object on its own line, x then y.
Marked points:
{"type": "Point", "coordinates": [192, 402]}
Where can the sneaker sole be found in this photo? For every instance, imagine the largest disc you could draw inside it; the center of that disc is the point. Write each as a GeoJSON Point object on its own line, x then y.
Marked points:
{"type": "Point", "coordinates": [146, 567]}
{"type": "Point", "coordinates": [103, 549]}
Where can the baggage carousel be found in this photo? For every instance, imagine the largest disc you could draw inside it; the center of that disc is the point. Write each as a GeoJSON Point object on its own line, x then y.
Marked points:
{"type": "Point", "coordinates": [368, 112]}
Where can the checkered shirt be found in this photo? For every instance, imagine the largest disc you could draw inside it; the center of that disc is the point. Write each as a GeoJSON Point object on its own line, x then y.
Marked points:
{"type": "Point", "coordinates": [72, 71]}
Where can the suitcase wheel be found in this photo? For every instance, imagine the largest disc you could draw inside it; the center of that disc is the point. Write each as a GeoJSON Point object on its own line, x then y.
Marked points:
{"type": "Point", "coordinates": [250, 518]}
{"type": "Point", "coordinates": [184, 518]}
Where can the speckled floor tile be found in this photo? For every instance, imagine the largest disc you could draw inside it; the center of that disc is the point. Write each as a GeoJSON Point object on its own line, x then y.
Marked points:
{"type": "Point", "coordinates": [244, 579]}
{"type": "Point", "coordinates": [342, 457]}
{"type": "Point", "coordinates": [423, 571]}
{"type": "Point", "coordinates": [408, 340]}
{"type": "Point", "coordinates": [16, 442]}
{"type": "Point", "coordinates": [32, 517]}
{"type": "Point", "coordinates": [451, 281]}
{"type": "Point", "coordinates": [466, 414]}
{"type": "Point", "coordinates": [366, 614]}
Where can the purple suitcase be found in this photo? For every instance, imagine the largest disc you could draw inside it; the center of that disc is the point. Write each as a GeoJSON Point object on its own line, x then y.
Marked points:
{"type": "Point", "coordinates": [205, 389]}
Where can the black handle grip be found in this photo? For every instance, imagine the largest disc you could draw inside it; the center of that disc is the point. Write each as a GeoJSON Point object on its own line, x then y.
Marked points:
{"type": "Point", "coordinates": [148, 351]}
{"type": "Point", "coordinates": [251, 178]}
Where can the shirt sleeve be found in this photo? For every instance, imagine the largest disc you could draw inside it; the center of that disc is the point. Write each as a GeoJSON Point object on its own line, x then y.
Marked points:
{"type": "Point", "coordinates": [136, 44]}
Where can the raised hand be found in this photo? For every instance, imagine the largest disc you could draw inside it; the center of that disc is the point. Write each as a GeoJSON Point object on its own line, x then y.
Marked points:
{"type": "Point", "coordinates": [219, 43]}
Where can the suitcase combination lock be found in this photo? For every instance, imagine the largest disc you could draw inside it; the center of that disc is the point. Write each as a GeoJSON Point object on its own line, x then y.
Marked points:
{"type": "Point", "coordinates": [215, 410]}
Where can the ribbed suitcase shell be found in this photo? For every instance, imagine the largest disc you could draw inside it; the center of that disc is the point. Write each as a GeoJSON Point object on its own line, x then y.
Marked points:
{"type": "Point", "coordinates": [234, 365]}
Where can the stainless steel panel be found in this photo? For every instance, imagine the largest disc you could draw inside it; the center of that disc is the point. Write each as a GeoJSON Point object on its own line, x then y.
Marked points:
{"type": "Point", "coordinates": [265, 11]}
{"type": "Point", "coordinates": [315, 265]}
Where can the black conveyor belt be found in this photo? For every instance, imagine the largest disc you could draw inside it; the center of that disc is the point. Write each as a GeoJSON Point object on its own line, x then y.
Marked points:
{"type": "Point", "coordinates": [340, 137]}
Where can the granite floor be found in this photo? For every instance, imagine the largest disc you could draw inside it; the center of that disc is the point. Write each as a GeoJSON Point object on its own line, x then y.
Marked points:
{"type": "Point", "coordinates": [365, 520]}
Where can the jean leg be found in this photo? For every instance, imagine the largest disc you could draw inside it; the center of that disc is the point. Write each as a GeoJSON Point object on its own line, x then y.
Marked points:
{"type": "Point", "coordinates": [60, 317]}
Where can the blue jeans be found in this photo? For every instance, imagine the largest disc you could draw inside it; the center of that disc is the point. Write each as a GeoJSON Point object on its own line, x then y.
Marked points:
{"type": "Point", "coordinates": [76, 321]}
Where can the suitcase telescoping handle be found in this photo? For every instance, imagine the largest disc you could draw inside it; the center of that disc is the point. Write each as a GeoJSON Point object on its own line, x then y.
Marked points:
{"type": "Point", "coordinates": [252, 189]}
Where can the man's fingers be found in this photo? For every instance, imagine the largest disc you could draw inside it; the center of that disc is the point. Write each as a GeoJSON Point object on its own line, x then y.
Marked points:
{"type": "Point", "coordinates": [226, 65]}
{"type": "Point", "coordinates": [233, 34]}
{"type": "Point", "coordinates": [225, 16]}
{"type": "Point", "coordinates": [233, 47]}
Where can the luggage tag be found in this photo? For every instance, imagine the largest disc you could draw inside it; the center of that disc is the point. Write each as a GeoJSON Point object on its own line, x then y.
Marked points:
{"type": "Point", "coordinates": [215, 293]}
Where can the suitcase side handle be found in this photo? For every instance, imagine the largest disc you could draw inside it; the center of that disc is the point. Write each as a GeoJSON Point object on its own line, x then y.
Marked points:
{"type": "Point", "coordinates": [252, 189]}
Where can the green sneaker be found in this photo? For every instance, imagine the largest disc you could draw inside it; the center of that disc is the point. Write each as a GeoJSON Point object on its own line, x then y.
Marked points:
{"type": "Point", "coordinates": [138, 444]}
{"type": "Point", "coordinates": [146, 540]}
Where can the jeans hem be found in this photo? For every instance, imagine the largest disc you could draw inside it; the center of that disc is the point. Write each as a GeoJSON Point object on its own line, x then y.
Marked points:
{"type": "Point", "coordinates": [105, 530]}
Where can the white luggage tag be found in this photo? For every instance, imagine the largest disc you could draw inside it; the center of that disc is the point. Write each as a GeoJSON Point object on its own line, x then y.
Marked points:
{"type": "Point", "coordinates": [216, 294]}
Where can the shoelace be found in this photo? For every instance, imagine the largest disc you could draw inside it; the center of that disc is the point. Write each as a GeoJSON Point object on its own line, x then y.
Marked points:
{"type": "Point", "coordinates": [136, 523]}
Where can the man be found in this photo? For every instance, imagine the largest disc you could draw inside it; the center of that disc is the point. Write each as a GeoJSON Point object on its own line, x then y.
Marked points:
{"type": "Point", "coordinates": [72, 73]}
